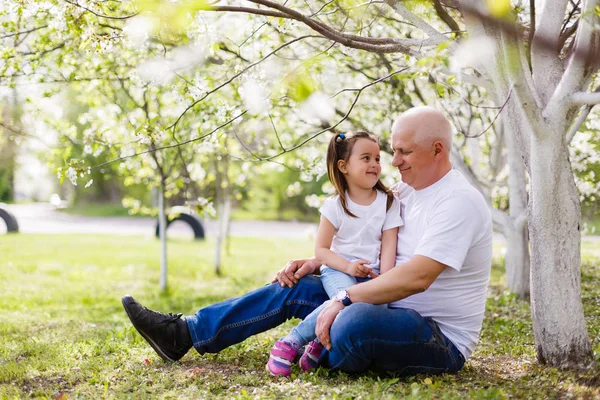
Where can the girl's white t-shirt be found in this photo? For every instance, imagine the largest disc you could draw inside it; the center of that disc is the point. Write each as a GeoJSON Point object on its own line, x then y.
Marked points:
{"type": "Point", "coordinates": [360, 238]}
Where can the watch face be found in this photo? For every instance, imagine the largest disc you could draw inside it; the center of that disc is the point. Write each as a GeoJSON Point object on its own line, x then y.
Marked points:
{"type": "Point", "coordinates": [341, 295]}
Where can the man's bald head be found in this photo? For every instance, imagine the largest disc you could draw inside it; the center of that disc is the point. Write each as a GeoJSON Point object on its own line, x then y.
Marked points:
{"type": "Point", "coordinates": [427, 124]}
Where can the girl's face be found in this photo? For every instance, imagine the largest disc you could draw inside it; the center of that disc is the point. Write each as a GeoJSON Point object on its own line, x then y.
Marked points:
{"type": "Point", "coordinates": [362, 169]}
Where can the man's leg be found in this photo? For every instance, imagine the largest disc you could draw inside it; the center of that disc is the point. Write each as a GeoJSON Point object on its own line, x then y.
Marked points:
{"type": "Point", "coordinates": [365, 336]}
{"type": "Point", "coordinates": [220, 325]}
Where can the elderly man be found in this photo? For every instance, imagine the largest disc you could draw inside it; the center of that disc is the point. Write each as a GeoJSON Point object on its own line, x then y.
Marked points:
{"type": "Point", "coordinates": [436, 293]}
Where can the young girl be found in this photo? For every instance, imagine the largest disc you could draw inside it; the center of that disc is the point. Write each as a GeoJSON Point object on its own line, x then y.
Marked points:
{"type": "Point", "coordinates": [358, 228]}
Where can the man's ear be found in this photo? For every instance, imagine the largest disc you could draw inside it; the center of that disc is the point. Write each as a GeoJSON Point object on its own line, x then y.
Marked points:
{"type": "Point", "coordinates": [341, 164]}
{"type": "Point", "coordinates": [437, 147]}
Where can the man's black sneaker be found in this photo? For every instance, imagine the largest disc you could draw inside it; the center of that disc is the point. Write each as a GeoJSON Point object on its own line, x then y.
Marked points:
{"type": "Point", "coordinates": [168, 334]}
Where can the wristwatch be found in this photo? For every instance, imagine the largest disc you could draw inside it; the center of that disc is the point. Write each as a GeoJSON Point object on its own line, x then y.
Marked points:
{"type": "Point", "coordinates": [342, 297]}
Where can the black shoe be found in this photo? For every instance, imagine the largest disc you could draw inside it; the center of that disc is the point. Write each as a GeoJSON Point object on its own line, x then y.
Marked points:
{"type": "Point", "coordinates": [168, 334]}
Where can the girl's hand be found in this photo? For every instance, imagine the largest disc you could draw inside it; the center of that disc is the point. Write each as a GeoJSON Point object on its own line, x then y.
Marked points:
{"type": "Point", "coordinates": [359, 268]}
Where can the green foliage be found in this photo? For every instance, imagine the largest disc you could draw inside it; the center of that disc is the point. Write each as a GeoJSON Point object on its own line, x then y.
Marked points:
{"type": "Point", "coordinates": [6, 193]}
{"type": "Point", "coordinates": [63, 330]}
{"type": "Point", "coordinates": [499, 8]}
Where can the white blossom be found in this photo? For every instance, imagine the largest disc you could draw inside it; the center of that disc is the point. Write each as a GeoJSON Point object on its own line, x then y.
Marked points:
{"type": "Point", "coordinates": [138, 28]}
{"type": "Point", "coordinates": [255, 96]}
{"type": "Point", "coordinates": [294, 189]}
{"type": "Point", "coordinates": [318, 106]}
{"type": "Point", "coordinates": [313, 201]}
{"type": "Point", "coordinates": [473, 53]}
{"type": "Point", "coordinates": [71, 174]}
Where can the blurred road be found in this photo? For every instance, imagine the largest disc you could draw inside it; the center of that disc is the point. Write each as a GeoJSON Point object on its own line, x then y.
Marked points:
{"type": "Point", "coordinates": [43, 218]}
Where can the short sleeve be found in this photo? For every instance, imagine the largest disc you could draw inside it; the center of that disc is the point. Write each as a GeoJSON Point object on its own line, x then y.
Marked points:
{"type": "Point", "coordinates": [393, 216]}
{"type": "Point", "coordinates": [450, 231]}
{"type": "Point", "coordinates": [329, 210]}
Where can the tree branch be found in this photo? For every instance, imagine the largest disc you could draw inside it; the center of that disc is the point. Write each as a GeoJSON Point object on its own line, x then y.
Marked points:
{"type": "Point", "coordinates": [586, 98]}
{"type": "Point", "coordinates": [429, 30]}
{"type": "Point", "coordinates": [585, 111]}
{"type": "Point", "coordinates": [227, 82]}
{"type": "Point", "coordinates": [23, 32]}
{"type": "Point", "coordinates": [448, 20]}
{"type": "Point", "coordinates": [582, 63]}
{"type": "Point", "coordinates": [375, 45]}
{"type": "Point", "coordinates": [313, 136]}
{"type": "Point", "coordinates": [171, 145]}
{"type": "Point", "coordinates": [546, 64]}
{"type": "Point", "coordinates": [98, 14]}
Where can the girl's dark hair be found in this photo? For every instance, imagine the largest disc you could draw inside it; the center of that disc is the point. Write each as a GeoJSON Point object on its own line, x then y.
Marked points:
{"type": "Point", "coordinates": [340, 148]}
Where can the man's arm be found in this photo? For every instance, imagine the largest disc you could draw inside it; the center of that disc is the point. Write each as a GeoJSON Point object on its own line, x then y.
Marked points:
{"type": "Point", "coordinates": [411, 277]}
{"type": "Point", "coordinates": [296, 269]}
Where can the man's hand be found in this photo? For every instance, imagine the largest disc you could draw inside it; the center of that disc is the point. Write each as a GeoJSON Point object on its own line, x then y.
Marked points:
{"type": "Point", "coordinates": [325, 320]}
{"type": "Point", "coordinates": [294, 270]}
{"type": "Point", "coordinates": [359, 268]}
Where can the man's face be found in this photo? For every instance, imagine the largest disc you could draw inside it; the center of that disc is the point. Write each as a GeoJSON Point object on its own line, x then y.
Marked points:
{"type": "Point", "coordinates": [415, 161]}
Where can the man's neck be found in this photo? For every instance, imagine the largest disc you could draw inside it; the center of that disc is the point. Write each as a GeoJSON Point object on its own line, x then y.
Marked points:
{"type": "Point", "coordinates": [440, 173]}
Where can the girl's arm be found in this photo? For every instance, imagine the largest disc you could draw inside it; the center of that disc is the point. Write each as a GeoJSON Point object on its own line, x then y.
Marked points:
{"type": "Point", "coordinates": [326, 256]}
{"type": "Point", "coordinates": [389, 240]}
{"type": "Point", "coordinates": [323, 246]}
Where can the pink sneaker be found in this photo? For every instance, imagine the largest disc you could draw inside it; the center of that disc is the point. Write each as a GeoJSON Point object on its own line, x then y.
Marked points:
{"type": "Point", "coordinates": [310, 358]}
{"type": "Point", "coordinates": [281, 359]}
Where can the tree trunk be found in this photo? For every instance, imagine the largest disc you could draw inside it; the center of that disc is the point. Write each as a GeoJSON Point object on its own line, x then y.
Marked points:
{"type": "Point", "coordinates": [554, 224]}
{"type": "Point", "coordinates": [517, 241]}
{"type": "Point", "coordinates": [162, 231]}
{"type": "Point", "coordinates": [516, 259]}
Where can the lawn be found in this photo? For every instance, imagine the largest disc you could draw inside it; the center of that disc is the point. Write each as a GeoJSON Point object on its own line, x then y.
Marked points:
{"type": "Point", "coordinates": [63, 332]}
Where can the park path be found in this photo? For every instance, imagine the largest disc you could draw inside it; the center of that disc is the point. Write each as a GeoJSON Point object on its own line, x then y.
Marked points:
{"type": "Point", "coordinates": [44, 218]}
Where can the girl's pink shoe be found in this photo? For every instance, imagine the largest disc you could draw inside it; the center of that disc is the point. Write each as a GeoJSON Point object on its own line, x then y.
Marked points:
{"type": "Point", "coordinates": [310, 358]}
{"type": "Point", "coordinates": [281, 359]}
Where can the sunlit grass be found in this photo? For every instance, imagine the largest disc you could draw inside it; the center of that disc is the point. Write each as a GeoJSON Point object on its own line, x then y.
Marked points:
{"type": "Point", "coordinates": [63, 330]}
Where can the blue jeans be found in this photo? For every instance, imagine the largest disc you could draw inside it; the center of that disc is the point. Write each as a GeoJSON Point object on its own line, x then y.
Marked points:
{"type": "Point", "coordinates": [363, 336]}
{"type": "Point", "coordinates": [333, 281]}
{"type": "Point", "coordinates": [366, 336]}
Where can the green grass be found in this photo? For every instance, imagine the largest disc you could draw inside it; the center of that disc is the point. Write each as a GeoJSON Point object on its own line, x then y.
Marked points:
{"type": "Point", "coordinates": [63, 330]}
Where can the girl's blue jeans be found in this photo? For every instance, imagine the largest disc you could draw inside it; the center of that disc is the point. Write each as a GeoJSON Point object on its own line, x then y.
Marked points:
{"type": "Point", "coordinates": [333, 281]}
{"type": "Point", "coordinates": [363, 336]}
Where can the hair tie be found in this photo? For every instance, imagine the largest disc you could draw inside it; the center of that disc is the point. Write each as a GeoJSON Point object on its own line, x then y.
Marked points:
{"type": "Point", "coordinates": [340, 137]}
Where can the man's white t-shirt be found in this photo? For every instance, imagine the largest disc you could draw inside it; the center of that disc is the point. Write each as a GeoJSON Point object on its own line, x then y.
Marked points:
{"type": "Point", "coordinates": [360, 238]}
{"type": "Point", "coordinates": [451, 223]}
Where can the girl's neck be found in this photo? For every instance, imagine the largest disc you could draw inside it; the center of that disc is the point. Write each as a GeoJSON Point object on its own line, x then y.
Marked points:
{"type": "Point", "coordinates": [362, 196]}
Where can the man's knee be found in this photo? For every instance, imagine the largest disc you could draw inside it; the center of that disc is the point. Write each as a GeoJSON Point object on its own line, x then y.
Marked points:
{"type": "Point", "coordinates": [352, 324]}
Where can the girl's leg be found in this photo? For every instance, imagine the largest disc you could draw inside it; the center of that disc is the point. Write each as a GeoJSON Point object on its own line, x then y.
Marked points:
{"type": "Point", "coordinates": [334, 281]}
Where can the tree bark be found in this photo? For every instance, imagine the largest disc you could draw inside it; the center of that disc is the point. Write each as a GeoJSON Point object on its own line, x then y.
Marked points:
{"type": "Point", "coordinates": [554, 225]}
{"type": "Point", "coordinates": [162, 230]}
{"type": "Point", "coordinates": [516, 259]}
{"type": "Point", "coordinates": [517, 240]}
